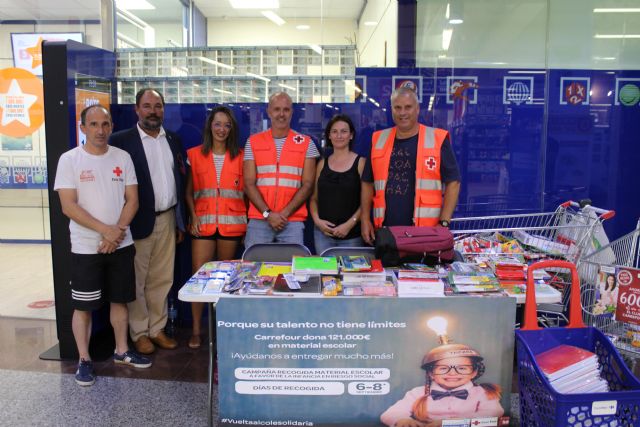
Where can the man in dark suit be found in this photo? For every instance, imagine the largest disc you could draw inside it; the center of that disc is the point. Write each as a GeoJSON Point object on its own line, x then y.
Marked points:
{"type": "Point", "coordinates": [158, 158]}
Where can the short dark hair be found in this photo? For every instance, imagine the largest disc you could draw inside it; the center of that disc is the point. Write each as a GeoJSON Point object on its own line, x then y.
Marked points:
{"type": "Point", "coordinates": [83, 113]}
{"type": "Point", "coordinates": [339, 118]}
{"type": "Point", "coordinates": [232, 140]}
{"type": "Point", "coordinates": [142, 91]}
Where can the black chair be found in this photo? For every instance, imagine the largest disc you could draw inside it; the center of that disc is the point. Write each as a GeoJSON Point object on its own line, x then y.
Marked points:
{"type": "Point", "coordinates": [367, 251]}
{"type": "Point", "coordinates": [274, 252]}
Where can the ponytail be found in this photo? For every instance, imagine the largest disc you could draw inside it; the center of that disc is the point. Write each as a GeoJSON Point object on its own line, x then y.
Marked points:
{"type": "Point", "coordinates": [493, 391]}
{"type": "Point", "coordinates": [419, 409]}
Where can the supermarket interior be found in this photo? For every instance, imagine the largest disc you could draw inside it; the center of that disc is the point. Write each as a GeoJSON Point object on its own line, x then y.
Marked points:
{"type": "Point", "coordinates": [540, 99]}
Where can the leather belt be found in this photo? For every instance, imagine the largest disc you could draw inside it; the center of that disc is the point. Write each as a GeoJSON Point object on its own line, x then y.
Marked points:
{"type": "Point", "coordinates": [158, 213]}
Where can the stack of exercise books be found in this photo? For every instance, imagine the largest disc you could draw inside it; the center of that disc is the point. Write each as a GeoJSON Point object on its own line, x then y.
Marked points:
{"type": "Point", "coordinates": [466, 277]}
{"type": "Point", "coordinates": [572, 369]}
{"type": "Point", "coordinates": [509, 269]}
{"type": "Point", "coordinates": [414, 283]}
{"type": "Point", "coordinates": [374, 273]}
{"type": "Point", "coordinates": [314, 265]}
{"type": "Point", "coordinates": [372, 289]}
{"type": "Point", "coordinates": [543, 244]}
{"type": "Point", "coordinates": [353, 263]}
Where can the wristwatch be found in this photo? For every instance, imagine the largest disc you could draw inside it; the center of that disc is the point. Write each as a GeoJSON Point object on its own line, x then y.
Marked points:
{"type": "Point", "coordinates": [266, 213]}
{"type": "Point", "coordinates": [444, 223]}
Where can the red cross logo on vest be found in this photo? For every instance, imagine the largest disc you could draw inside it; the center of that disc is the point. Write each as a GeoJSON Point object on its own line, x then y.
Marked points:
{"type": "Point", "coordinates": [117, 171]}
{"type": "Point", "coordinates": [298, 139]}
{"type": "Point", "coordinates": [431, 163]}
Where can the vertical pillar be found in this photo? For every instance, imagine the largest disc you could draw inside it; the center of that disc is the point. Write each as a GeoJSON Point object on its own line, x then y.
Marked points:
{"type": "Point", "coordinates": [407, 18]}
{"type": "Point", "coordinates": [108, 24]}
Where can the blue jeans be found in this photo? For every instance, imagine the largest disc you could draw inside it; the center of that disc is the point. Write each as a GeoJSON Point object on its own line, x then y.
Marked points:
{"type": "Point", "coordinates": [322, 241]}
{"type": "Point", "coordinates": [259, 231]}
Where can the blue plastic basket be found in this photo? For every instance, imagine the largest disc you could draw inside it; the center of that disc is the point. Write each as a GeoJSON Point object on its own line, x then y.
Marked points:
{"type": "Point", "coordinates": [540, 404]}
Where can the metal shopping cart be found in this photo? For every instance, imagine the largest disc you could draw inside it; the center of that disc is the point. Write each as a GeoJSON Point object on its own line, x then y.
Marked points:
{"type": "Point", "coordinates": [571, 232]}
{"type": "Point", "coordinates": [624, 252]}
{"type": "Point", "coordinates": [566, 232]}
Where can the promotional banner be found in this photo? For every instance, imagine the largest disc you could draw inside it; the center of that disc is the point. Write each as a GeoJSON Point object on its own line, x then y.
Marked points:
{"type": "Point", "coordinates": [364, 361]}
{"type": "Point", "coordinates": [628, 307]}
{"type": "Point", "coordinates": [90, 90]}
{"type": "Point", "coordinates": [27, 48]}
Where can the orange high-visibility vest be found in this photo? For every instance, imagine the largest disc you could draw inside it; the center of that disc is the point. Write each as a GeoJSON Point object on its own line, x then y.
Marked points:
{"type": "Point", "coordinates": [279, 181]}
{"type": "Point", "coordinates": [428, 198]}
{"type": "Point", "coordinates": [218, 207]}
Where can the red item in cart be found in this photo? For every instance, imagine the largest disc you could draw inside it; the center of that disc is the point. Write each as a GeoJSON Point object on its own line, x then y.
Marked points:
{"type": "Point", "coordinates": [564, 359]}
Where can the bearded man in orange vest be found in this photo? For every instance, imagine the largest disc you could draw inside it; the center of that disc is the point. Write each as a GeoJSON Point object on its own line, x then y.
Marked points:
{"type": "Point", "coordinates": [409, 166]}
{"type": "Point", "coordinates": [279, 171]}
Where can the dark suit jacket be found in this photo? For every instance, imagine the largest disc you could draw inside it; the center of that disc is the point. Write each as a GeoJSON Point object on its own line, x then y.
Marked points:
{"type": "Point", "coordinates": [129, 140]}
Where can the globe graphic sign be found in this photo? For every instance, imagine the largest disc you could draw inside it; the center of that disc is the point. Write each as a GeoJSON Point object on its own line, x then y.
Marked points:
{"type": "Point", "coordinates": [518, 93]}
{"type": "Point", "coordinates": [629, 94]}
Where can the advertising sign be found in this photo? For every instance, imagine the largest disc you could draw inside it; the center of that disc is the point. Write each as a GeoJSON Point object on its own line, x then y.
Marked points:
{"type": "Point", "coordinates": [90, 91]}
{"type": "Point", "coordinates": [365, 362]}
{"type": "Point", "coordinates": [21, 103]}
{"type": "Point", "coordinates": [27, 48]}
{"type": "Point", "coordinates": [628, 307]}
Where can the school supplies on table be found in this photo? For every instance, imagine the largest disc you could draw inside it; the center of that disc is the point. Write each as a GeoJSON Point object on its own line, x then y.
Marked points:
{"type": "Point", "coordinates": [314, 265]}
{"type": "Point", "coordinates": [273, 269]}
{"type": "Point", "coordinates": [351, 263]}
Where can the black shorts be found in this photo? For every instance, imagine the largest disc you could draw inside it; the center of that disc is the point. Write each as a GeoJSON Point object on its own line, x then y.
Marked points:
{"type": "Point", "coordinates": [218, 236]}
{"type": "Point", "coordinates": [100, 278]}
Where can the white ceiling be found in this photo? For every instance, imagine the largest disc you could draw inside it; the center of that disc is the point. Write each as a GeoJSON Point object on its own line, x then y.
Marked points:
{"type": "Point", "coordinates": [170, 10]}
{"type": "Point", "coordinates": [49, 10]}
{"type": "Point", "coordinates": [346, 9]}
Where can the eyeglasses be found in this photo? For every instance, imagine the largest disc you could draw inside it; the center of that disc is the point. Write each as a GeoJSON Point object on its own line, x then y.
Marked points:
{"type": "Point", "coordinates": [460, 369]}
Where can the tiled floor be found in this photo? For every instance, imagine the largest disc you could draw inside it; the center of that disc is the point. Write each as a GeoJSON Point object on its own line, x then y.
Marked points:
{"type": "Point", "coordinates": [26, 277]}
{"type": "Point", "coordinates": [43, 393]}
{"type": "Point", "coordinates": [37, 392]}
{"type": "Point", "coordinates": [23, 340]}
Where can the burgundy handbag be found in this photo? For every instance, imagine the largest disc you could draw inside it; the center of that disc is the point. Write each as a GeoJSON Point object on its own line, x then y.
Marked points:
{"type": "Point", "coordinates": [429, 245]}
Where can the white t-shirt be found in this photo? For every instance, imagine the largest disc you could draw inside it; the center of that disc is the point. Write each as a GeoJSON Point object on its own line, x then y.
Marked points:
{"type": "Point", "coordinates": [100, 184]}
{"type": "Point", "coordinates": [312, 150]}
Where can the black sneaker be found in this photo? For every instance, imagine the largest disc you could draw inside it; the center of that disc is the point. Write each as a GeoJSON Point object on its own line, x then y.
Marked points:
{"type": "Point", "coordinates": [85, 375]}
{"type": "Point", "coordinates": [132, 358]}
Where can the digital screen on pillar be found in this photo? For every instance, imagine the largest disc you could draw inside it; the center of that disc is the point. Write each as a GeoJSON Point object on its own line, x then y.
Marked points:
{"type": "Point", "coordinates": [90, 90]}
{"type": "Point", "coordinates": [27, 48]}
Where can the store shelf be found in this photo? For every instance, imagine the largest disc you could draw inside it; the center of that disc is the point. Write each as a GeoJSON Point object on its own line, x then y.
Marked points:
{"type": "Point", "coordinates": [220, 74]}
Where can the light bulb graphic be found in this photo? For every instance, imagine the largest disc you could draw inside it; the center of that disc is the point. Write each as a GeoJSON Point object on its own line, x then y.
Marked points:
{"type": "Point", "coordinates": [438, 324]}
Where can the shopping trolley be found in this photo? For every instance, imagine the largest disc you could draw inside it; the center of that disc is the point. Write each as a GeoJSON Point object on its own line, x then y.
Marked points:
{"type": "Point", "coordinates": [566, 233]}
{"type": "Point", "coordinates": [540, 404]}
{"type": "Point", "coordinates": [625, 252]}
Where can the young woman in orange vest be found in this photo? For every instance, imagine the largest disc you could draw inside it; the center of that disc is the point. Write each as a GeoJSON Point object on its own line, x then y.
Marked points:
{"type": "Point", "coordinates": [215, 198]}
{"type": "Point", "coordinates": [335, 203]}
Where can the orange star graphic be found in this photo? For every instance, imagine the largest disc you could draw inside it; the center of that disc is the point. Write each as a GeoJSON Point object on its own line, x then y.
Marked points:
{"type": "Point", "coordinates": [36, 53]}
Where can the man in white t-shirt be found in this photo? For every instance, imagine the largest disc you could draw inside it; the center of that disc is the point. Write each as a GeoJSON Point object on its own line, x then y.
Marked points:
{"type": "Point", "coordinates": [98, 191]}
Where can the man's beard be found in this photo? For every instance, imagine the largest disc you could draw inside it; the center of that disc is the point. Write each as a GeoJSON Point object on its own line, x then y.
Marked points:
{"type": "Point", "coordinates": [149, 124]}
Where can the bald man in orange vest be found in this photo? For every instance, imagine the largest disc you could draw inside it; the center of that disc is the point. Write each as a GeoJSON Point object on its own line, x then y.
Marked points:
{"type": "Point", "coordinates": [279, 171]}
{"type": "Point", "coordinates": [409, 167]}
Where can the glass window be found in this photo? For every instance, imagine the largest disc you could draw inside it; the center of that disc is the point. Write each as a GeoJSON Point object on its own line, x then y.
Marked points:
{"type": "Point", "coordinates": [24, 202]}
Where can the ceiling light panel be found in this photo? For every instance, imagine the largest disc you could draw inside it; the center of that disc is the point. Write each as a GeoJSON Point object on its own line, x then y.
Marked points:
{"type": "Point", "coordinates": [273, 17]}
{"type": "Point", "coordinates": [134, 5]}
{"type": "Point", "coordinates": [255, 4]}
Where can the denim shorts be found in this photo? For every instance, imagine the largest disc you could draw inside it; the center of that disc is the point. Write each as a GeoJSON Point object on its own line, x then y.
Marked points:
{"type": "Point", "coordinates": [259, 231]}
{"type": "Point", "coordinates": [323, 242]}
